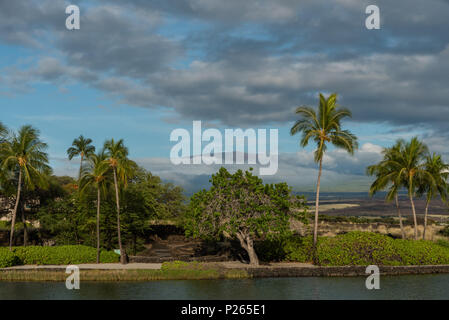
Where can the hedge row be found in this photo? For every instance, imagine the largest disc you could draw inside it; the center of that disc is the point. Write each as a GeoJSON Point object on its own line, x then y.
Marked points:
{"type": "Point", "coordinates": [53, 255]}
{"type": "Point", "coordinates": [366, 248]}
{"type": "Point", "coordinates": [8, 258]}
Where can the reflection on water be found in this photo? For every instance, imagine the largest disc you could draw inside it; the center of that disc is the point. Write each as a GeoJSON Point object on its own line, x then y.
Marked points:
{"type": "Point", "coordinates": [398, 287]}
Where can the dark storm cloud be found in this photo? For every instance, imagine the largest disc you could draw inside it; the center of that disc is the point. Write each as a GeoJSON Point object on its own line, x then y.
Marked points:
{"type": "Point", "coordinates": [248, 62]}
{"type": "Point", "coordinates": [115, 41]}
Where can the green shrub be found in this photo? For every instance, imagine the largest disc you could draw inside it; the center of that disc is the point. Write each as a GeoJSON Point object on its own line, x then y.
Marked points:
{"type": "Point", "coordinates": [176, 265]}
{"type": "Point", "coordinates": [62, 255]}
{"type": "Point", "coordinates": [8, 258]}
{"type": "Point", "coordinates": [422, 252]}
{"type": "Point", "coordinates": [299, 249]}
{"type": "Point", "coordinates": [357, 248]}
{"type": "Point", "coordinates": [365, 248]}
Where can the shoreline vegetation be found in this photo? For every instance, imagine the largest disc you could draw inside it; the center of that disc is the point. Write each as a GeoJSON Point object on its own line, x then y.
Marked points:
{"type": "Point", "coordinates": [343, 255]}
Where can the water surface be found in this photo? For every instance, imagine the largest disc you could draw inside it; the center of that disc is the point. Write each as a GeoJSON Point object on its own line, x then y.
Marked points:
{"type": "Point", "coordinates": [392, 287]}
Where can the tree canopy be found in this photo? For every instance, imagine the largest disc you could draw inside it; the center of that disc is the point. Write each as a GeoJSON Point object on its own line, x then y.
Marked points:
{"type": "Point", "coordinates": [241, 206]}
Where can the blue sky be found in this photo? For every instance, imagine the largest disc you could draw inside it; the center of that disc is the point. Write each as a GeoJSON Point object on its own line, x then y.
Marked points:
{"type": "Point", "coordinates": [138, 70]}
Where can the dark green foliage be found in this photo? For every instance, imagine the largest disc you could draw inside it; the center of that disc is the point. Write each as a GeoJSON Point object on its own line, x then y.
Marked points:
{"type": "Point", "coordinates": [8, 258]}
{"type": "Point", "coordinates": [240, 206]}
{"type": "Point", "coordinates": [271, 249]}
{"type": "Point", "coordinates": [62, 255]}
{"type": "Point", "coordinates": [71, 219]}
{"type": "Point", "coordinates": [53, 256]}
{"type": "Point", "coordinates": [241, 202]}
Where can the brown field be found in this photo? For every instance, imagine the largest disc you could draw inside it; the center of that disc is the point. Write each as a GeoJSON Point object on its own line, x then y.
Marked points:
{"type": "Point", "coordinates": [374, 209]}
{"type": "Point", "coordinates": [378, 207]}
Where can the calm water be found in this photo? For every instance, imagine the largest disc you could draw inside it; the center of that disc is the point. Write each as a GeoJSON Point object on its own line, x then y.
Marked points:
{"type": "Point", "coordinates": [398, 287]}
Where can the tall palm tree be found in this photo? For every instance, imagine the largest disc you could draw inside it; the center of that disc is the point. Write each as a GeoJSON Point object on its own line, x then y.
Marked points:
{"type": "Point", "coordinates": [388, 176]}
{"type": "Point", "coordinates": [24, 155]}
{"type": "Point", "coordinates": [436, 182]}
{"type": "Point", "coordinates": [81, 147]}
{"type": "Point", "coordinates": [96, 175]}
{"type": "Point", "coordinates": [122, 169]}
{"type": "Point", "coordinates": [323, 126]}
{"type": "Point", "coordinates": [408, 161]}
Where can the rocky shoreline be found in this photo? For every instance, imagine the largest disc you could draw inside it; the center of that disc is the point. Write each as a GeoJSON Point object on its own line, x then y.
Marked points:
{"type": "Point", "coordinates": [274, 270]}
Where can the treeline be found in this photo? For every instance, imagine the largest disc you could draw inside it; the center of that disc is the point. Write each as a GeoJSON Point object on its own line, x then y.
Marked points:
{"type": "Point", "coordinates": [110, 204]}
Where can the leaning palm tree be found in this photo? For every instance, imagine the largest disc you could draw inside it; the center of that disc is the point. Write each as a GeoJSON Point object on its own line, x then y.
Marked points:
{"type": "Point", "coordinates": [24, 155]}
{"type": "Point", "coordinates": [323, 126]}
{"type": "Point", "coordinates": [122, 169]}
{"type": "Point", "coordinates": [435, 184]}
{"type": "Point", "coordinates": [96, 175]}
{"type": "Point", "coordinates": [80, 147]}
{"type": "Point", "coordinates": [388, 176]}
{"type": "Point", "coordinates": [408, 161]}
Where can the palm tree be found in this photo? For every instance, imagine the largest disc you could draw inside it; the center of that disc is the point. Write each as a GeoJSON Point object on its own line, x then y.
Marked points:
{"type": "Point", "coordinates": [436, 182]}
{"type": "Point", "coordinates": [96, 175]}
{"type": "Point", "coordinates": [387, 175]}
{"type": "Point", "coordinates": [80, 147]}
{"type": "Point", "coordinates": [122, 169]}
{"type": "Point", "coordinates": [407, 161]}
{"type": "Point", "coordinates": [24, 155]}
{"type": "Point", "coordinates": [323, 127]}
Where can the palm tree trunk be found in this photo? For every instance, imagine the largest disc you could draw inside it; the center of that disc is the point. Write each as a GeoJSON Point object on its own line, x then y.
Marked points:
{"type": "Point", "coordinates": [79, 173]}
{"type": "Point", "coordinates": [98, 224]}
{"type": "Point", "coordinates": [122, 253]}
{"type": "Point", "coordinates": [414, 215]}
{"type": "Point", "coordinates": [400, 216]}
{"type": "Point", "coordinates": [81, 168]}
{"type": "Point", "coordinates": [14, 213]}
{"type": "Point", "coordinates": [317, 202]}
{"type": "Point", "coordinates": [425, 219]}
{"type": "Point", "coordinates": [25, 230]}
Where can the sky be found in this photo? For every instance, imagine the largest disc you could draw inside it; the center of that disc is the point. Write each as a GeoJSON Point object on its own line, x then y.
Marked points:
{"type": "Point", "coordinates": [139, 69]}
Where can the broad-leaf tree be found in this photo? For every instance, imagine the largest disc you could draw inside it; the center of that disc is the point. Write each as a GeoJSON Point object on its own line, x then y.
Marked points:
{"type": "Point", "coordinates": [323, 126]}
{"type": "Point", "coordinates": [239, 206]}
{"type": "Point", "coordinates": [24, 154]}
